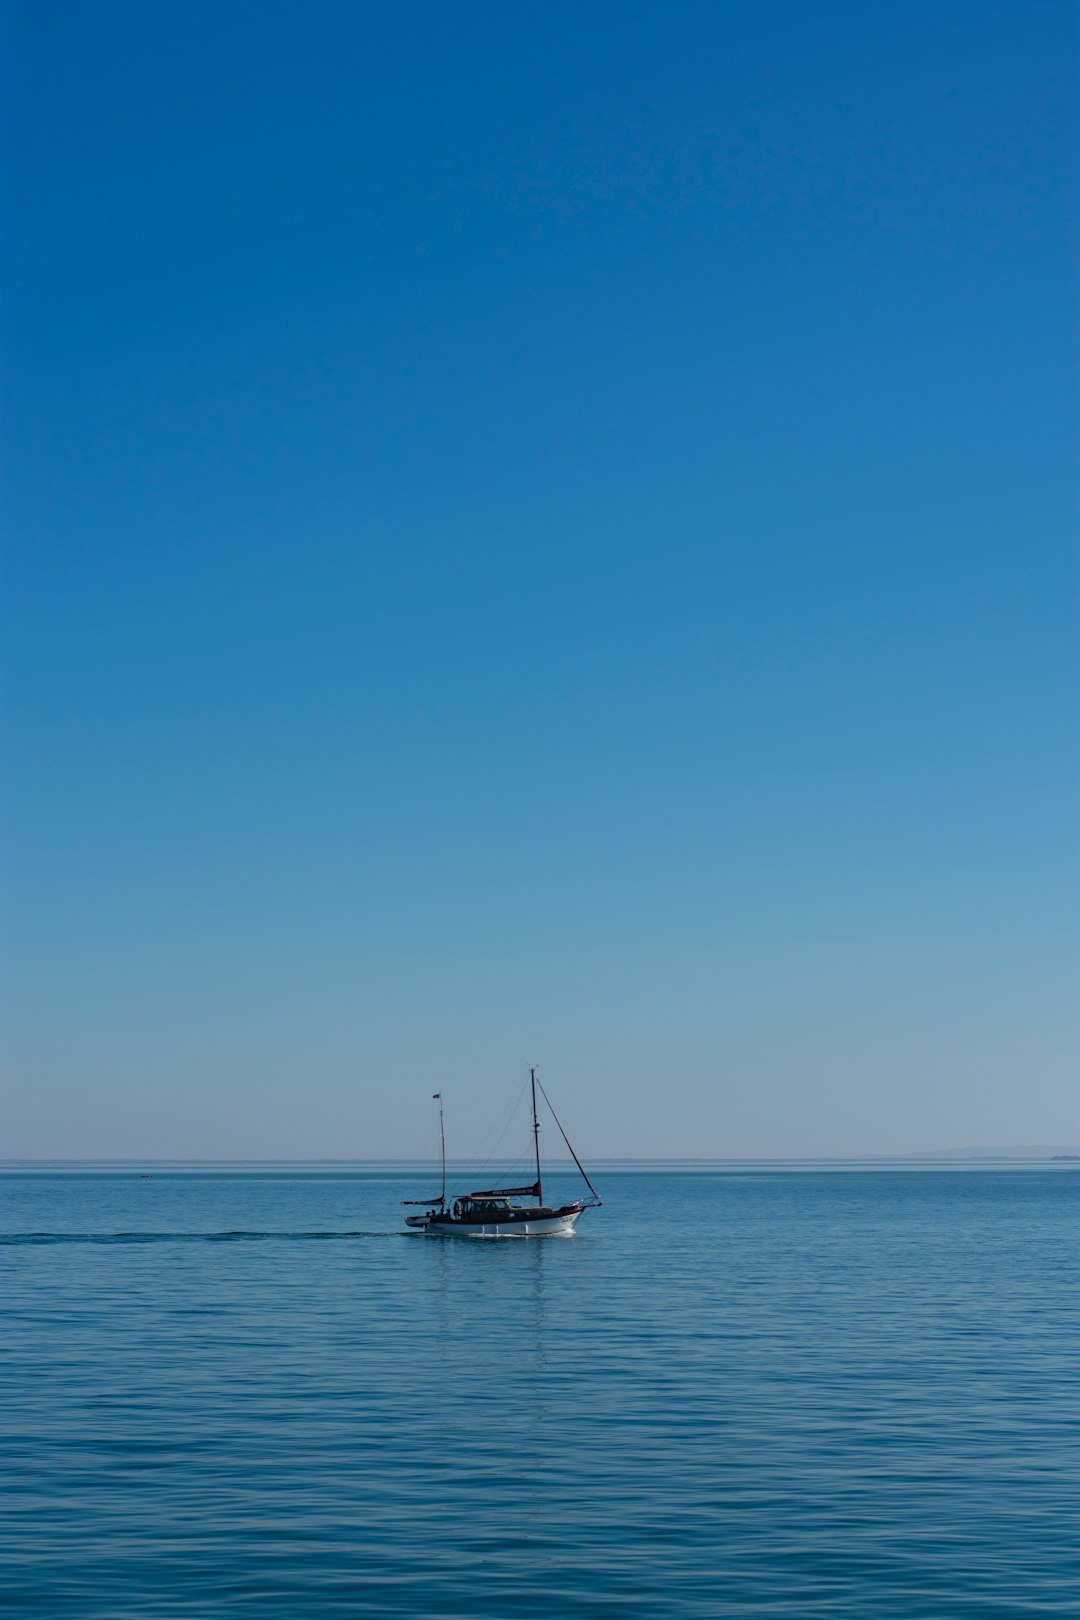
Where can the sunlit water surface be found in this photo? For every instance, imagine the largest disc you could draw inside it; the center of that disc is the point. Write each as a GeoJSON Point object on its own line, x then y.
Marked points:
{"type": "Point", "coordinates": [786, 1393]}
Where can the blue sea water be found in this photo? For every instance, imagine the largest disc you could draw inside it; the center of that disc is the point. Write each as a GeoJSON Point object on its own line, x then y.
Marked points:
{"type": "Point", "coordinates": [775, 1393]}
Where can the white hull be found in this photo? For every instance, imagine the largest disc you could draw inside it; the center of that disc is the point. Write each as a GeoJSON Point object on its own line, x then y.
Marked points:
{"type": "Point", "coordinates": [551, 1226]}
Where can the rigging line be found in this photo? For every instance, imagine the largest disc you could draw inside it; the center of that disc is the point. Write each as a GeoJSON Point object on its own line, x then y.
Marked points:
{"type": "Point", "coordinates": [502, 1138]}
{"type": "Point", "coordinates": [491, 1094]}
{"type": "Point", "coordinates": [474, 1168]}
{"type": "Point", "coordinates": [566, 1139]}
{"type": "Point", "coordinates": [508, 1112]}
{"type": "Point", "coordinates": [481, 1105]}
{"type": "Point", "coordinates": [509, 1172]}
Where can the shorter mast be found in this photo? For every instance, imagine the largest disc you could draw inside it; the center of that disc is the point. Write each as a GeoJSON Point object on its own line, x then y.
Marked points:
{"type": "Point", "coordinates": [536, 1138]}
{"type": "Point", "coordinates": [442, 1144]}
{"type": "Point", "coordinates": [436, 1096]}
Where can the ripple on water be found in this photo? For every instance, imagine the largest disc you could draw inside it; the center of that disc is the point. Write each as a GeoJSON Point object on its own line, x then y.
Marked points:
{"type": "Point", "coordinates": [786, 1394]}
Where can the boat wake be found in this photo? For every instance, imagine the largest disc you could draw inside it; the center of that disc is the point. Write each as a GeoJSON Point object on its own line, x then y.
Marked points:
{"type": "Point", "coordinates": [21, 1239]}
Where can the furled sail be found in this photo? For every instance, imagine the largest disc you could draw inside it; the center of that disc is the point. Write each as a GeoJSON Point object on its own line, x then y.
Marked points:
{"type": "Point", "coordinates": [509, 1192]}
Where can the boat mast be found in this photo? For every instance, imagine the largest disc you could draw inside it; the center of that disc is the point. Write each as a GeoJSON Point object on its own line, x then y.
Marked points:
{"type": "Point", "coordinates": [442, 1143]}
{"type": "Point", "coordinates": [536, 1138]}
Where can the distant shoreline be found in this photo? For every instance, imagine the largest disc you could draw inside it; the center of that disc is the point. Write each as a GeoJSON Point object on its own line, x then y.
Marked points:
{"type": "Point", "coordinates": [1005, 1156]}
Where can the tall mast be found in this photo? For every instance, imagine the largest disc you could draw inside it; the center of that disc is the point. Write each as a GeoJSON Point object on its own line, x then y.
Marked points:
{"type": "Point", "coordinates": [442, 1143]}
{"type": "Point", "coordinates": [536, 1137]}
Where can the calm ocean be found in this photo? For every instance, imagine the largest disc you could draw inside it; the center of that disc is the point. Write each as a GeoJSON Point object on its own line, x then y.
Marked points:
{"type": "Point", "coordinates": [734, 1392]}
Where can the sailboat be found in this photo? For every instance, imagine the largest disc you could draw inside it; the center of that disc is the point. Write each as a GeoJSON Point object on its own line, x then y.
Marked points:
{"type": "Point", "coordinates": [492, 1213]}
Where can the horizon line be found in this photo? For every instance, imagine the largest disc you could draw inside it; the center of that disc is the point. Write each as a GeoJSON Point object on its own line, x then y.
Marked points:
{"type": "Point", "coordinates": [959, 1154]}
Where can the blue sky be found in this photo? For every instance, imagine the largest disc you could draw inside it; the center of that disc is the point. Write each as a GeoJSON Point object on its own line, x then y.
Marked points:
{"type": "Point", "coordinates": [540, 535]}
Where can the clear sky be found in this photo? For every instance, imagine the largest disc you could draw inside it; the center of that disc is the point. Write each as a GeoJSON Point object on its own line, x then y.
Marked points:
{"type": "Point", "coordinates": [540, 534]}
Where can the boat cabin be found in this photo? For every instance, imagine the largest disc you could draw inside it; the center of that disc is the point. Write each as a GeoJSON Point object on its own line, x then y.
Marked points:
{"type": "Point", "coordinates": [478, 1208]}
